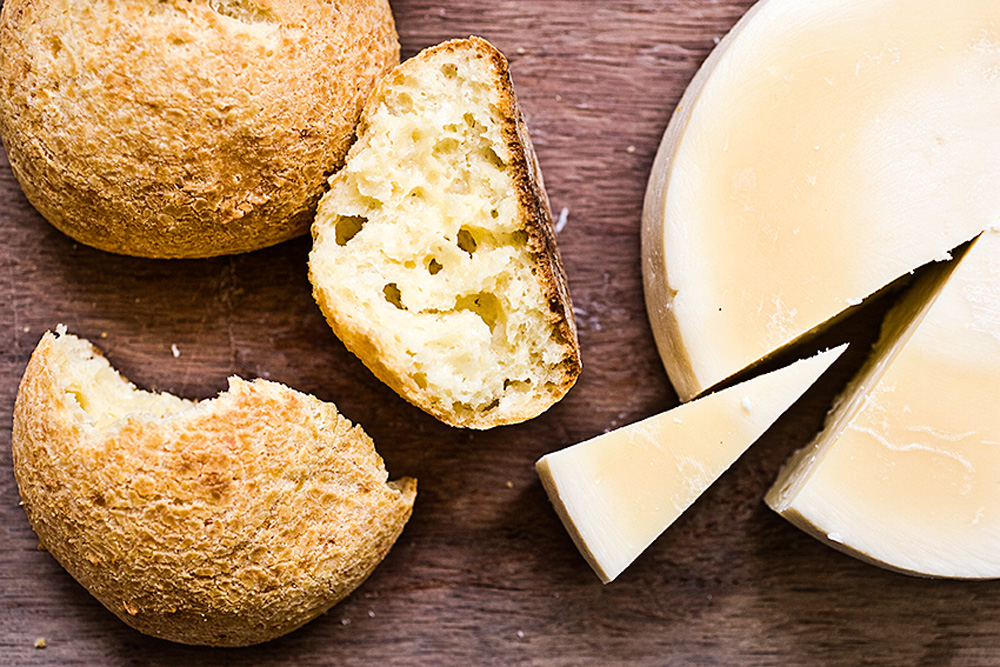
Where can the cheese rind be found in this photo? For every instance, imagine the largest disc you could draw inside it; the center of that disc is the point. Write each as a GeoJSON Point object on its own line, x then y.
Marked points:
{"type": "Point", "coordinates": [905, 474]}
{"type": "Point", "coordinates": [825, 149]}
{"type": "Point", "coordinates": [617, 492]}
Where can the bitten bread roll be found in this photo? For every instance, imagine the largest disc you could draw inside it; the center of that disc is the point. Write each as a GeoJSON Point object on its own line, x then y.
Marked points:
{"type": "Point", "coordinates": [185, 128]}
{"type": "Point", "coordinates": [434, 255]}
{"type": "Point", "coordinates": [225, 522]}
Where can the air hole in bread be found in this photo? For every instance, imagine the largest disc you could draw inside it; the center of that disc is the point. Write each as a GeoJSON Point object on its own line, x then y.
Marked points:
{"type": "Point", "coordinates": [450, 70]}
{"type": "Point", "coordinates": [242, 11]}
{"type": "Point", "coordinates": [487, 306]}
{"type": "Point", "coordinates": [348, 227]}
{"type": "Point", "coordinates": [445, 146]}
{"type": "Point", "coordinates": [517, 385]}
{"type": "Point", "coordinates": [393, 295]}
{"type": "Point", "coordinates": [434, 266]}
{"type": "Point", "coordinates": [491, 156]}
{"type": "Point", "coordinates": [399, 104]}
{"type": "Point", "coordinates": [466, 241]}
{"type": "Point", "coordinates": [420, 379]}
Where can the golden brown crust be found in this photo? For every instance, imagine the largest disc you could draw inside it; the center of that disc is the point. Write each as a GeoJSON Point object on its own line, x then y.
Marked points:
{"type": "Point", "coordinates": [228, 523]}
{"type": "Point", "coordinates": [185, 128]}
{"type": "Point", "coordinates": [534, 219]}
{"type": "Point", "coordinates": [537, 215]}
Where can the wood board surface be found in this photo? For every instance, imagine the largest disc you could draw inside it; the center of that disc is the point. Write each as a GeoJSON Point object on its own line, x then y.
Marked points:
{"type": "Point", "coordinates": [484, 572]}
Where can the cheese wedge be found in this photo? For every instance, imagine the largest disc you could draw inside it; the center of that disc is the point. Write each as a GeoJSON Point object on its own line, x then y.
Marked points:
{"type": "Point", "coordinates": [824, 149]}
{"type": "Point", "coordinates": [906, 473]}
{"type": "Point", "coordinates": [617, 492]}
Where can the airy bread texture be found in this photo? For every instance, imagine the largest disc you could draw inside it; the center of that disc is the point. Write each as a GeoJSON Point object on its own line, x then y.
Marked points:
{"type": "Point", "coordinates": [185, 128]}
{"type": "Point", "coordinates": [226, 522]}
{"type": "Point", "coordinates": [434, 255]}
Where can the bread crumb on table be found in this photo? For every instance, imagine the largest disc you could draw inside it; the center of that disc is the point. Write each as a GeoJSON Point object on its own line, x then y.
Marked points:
{"type": "Point", "coordinates": [40, 642]}
{"type": "Point", "coordinates": [561, 222]}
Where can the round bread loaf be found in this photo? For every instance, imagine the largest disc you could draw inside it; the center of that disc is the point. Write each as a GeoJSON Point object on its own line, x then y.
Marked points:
{"type": "Point", "coordinates": [226, 522]}
{"type": "Point", "coordinates": [185, 128]}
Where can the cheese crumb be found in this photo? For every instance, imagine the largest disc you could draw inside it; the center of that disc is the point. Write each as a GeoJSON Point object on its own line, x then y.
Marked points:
{"type": "Point", "coordinates": [40, 642]}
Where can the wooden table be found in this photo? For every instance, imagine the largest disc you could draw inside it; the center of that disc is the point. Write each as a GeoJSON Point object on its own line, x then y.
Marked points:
{"type": "Point", "coordinates": [484, 572]}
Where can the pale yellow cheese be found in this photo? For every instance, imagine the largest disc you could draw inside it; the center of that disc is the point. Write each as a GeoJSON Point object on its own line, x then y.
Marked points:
{"type": "Point", "coordinates": [907, 471]}
{"type": "Point", "coordinates": [825, 148]}
{"type": "Point", "coordinates": [617, 492]}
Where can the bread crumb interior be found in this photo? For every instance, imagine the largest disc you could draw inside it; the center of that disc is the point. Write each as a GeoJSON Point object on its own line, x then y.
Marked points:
{"type": "Point", "coordinates": [426, 214]}
{"type": "Point", "coordinates": [105, 397]}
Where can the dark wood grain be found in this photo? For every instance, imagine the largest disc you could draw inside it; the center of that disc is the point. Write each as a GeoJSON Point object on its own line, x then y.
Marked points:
{"type": "Point", "coordinates": [484, 572]}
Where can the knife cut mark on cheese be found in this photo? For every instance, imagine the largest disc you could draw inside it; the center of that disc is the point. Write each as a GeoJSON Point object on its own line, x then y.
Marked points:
{"type": "Point", "coordinates": [617, 492]}
{"type": "Point", "coordinates": [906, 471]}
{"type": "Point", "coordinates": [822, 151]}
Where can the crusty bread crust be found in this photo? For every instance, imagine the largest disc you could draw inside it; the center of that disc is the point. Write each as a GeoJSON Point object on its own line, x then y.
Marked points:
{"type": "Point", "coordinates": [228, 522]}
{"type": "Point", "coordinates": [373, 342]}
{"type": "Point", "coordinates": [185, 128]}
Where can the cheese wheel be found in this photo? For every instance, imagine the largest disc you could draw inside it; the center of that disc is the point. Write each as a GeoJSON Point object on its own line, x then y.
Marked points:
{"type": "Point", "coordinates": [905, 474]}
{"type": "Point", "coordinates": [617, 492]}
{"type": "Point", "coordinates": [824, 149]}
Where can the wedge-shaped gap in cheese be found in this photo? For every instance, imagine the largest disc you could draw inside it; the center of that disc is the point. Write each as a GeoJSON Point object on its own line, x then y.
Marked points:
{"type": "Point", "coordinates": [831, 332]}
{"type": "Point", "coordinates": [904, 473]}
{"type": "Point", "coordinates": [619, 491]}
{"type": "Point", "coordinates": [463, 228]}
{"type": "Point", "coordinates": [863, 147]}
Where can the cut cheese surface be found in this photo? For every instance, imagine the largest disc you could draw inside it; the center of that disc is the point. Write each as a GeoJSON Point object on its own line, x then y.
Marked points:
{"type": "Point", "coordinates": [825, 149]}
{"type": "Point", "coordinates": [907, 471]}
{"type": "Point", "coordinates": [617, 492]}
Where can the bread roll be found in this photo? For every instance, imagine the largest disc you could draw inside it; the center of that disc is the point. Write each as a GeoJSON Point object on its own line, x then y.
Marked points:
{"type": "Point", "coordinates": [185, 128]}
{"type": "Point", "coordinates": [226, 522]}
{"type": "Point", "coordinates": [434, 255]}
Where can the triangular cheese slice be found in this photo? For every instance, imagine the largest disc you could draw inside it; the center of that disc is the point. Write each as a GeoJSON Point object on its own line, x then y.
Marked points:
{"type": "Point", "coordinates": [906, 473]}
{"type": "Point", "coordinates": [825, 149]}
{"type": "Point", "coordinates": [617, 492]}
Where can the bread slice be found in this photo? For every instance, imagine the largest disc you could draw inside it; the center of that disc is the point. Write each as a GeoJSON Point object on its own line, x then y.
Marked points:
{"type": "Point", "coordinates": [226, 522]}
{"type": "Point", "coordinates": [434, 255]}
